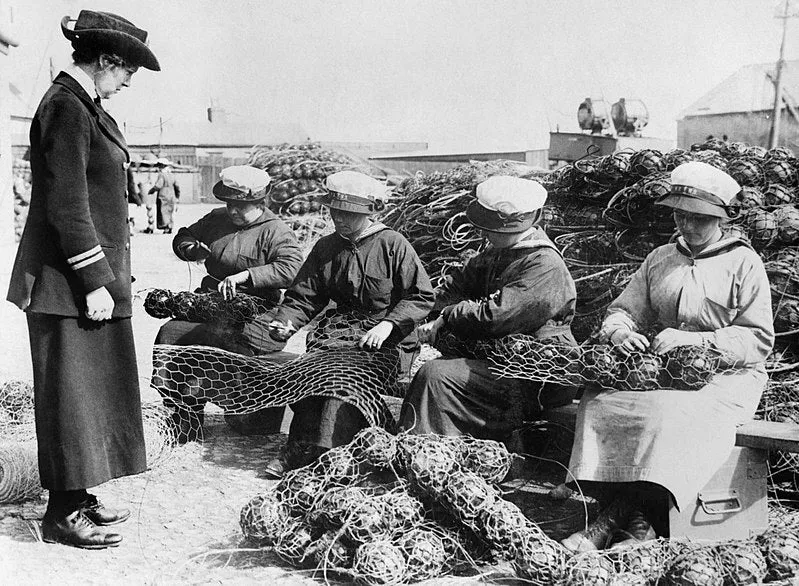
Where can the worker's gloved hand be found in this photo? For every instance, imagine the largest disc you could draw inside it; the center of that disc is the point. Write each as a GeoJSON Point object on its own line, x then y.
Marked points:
{"type": "Point", "coordinates": [281, 331]}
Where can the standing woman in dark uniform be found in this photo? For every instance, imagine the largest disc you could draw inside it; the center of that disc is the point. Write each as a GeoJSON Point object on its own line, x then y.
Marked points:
{"type": "Point", "coordinates": [72, 278]}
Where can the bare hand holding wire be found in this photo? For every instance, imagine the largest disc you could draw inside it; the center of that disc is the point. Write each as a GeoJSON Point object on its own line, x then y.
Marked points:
{"type": "Point", "coordinates": [671, 338]}
{"type": "Point", "coordinates": [227, 286]}
{"type": "Point", "coordinates": [627, 341]}
{"type": "Point", "coordinates": [428, 332]}
{"type": "Point", "coordinates": [374, 338]}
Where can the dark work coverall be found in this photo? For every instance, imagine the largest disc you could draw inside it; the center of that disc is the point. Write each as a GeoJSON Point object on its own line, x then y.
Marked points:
{"type": "Point", "coordinates": [379, 275]}
{"type": "Point", "coordinates": [269, 251]}
{"type": "Point", "coordinates": [524, 289]}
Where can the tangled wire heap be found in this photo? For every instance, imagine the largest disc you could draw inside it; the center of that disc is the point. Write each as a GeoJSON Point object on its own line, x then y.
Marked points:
{"type": "Point", "coordinates": [436, 507]}
{"type": "Point", "coordinates": [298, 172]}
{"type": "Point", "coordinates": [333, 366]}
{"type": "Point", "coordinates": [687, 368]}
{"type": "Point", "coordinates": [19, 469]}
{"type": "Point", "coordinates": [429, 210]}
{"type": "Point", "coordinates": [204, 307]}
{"type": "Point", "coordinates": [390, 509]}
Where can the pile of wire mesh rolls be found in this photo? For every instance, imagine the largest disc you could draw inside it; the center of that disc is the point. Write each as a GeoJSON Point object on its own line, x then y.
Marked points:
{"type": "Point", "coordinates": [19, 469]}
{"type": "Point", "coordinates": [388, 509]}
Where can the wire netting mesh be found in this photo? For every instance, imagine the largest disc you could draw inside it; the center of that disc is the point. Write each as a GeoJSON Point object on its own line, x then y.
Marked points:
{"type": "Point", "coordinates": [333, 366]}
{"type": "Point", "coordinates": [521, 356]}
{"type": "Point", "coordinates": [19, 469]}
{"type": "Point", "coordinates": [209, 307]}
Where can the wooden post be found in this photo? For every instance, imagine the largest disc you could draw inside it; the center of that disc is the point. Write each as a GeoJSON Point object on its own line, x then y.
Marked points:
{"type": "Point", "coordinates": [776, 114]}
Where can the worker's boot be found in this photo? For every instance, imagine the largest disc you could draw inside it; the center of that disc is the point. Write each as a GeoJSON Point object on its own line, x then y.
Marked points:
{"type": "Point", "coordinates": [599, 533]}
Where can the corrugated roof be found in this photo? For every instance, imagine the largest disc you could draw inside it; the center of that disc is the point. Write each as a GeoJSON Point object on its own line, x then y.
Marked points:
{"type": "Point", "coordinates": [747, 90]}
{"type": "Point", "coordinates": [222, 133]}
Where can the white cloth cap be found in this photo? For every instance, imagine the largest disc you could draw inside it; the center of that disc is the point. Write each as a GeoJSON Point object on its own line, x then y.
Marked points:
{"type": "Point", "coordinates": [511, 195]}
{"type": "Point", "coordinates": [357, 184]}
{"type": "Point", "coordinates": [695, 178]}
{"type": "Point", "coordinates": [245, 178]}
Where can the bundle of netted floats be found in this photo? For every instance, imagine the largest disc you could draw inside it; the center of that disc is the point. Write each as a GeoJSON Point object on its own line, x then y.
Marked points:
{"type": "Point", "coordinates": [388, 509]}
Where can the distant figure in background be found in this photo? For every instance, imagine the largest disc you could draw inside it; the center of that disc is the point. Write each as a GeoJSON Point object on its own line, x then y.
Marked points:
{"type": "Point", "coordinates": [134, 198]}
{"type": "Point", "coordinates": [168, 191]}
{"type": "Point", "coordinates": [145, 182]}
{"type": "Point", "coordinates": [246, 249]}
{"type": "Point", "coordinates": [72, 278]}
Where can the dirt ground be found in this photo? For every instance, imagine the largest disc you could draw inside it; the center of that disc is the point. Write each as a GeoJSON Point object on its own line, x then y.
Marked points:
{"type": "Point", "coordinates": [184, 527]}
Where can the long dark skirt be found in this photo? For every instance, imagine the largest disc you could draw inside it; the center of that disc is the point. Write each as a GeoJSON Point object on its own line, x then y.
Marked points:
{"type": "Point", "coordinates": [164, 210]}
{"type": "Point", "coordinates": [455, 396]}
{"type": "Point", "coordinates": [86, 399]}
{"type": "Point", "coordinates": [325, 422]}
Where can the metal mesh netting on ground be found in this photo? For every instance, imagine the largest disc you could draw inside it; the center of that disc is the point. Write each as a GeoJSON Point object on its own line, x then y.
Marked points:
{"type": "Point", "coordinates": [525, 357]}
{"type": "Point", "coordinates": [390, 509]}
{"type": "Point", "coordinates": [19, 470]}
{"type": "Point", "coordinates": [204, 307]}
{"type": "Point", "coordinates": [396, 509]}
{"type": "Point", "coordinates": [333, 366]}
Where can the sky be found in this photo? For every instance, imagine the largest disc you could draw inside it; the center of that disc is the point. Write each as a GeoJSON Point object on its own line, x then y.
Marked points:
{"type": "Point", "coordinates": [458, 74]}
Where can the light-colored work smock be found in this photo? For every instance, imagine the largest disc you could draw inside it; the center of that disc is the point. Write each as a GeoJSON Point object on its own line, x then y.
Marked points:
{"type": "Point", "coordinates": [678, 439]}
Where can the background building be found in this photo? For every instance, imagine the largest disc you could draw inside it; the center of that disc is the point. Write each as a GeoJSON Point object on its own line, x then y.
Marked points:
{"type": "Point", "coordinates": [740, 108]}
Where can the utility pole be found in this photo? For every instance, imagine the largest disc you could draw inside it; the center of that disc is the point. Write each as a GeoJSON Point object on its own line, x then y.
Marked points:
{"type": "Point", "coordinates": [776, 115]}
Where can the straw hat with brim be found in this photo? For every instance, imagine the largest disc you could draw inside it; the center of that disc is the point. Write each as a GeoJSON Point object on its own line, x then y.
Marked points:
{"type": "Point", "coordinates": [242, 183]}
{"type": "Point", "coordinates": [114, 34]}
{"type": "Point", "coordinates": [700, 188]}
{"type": "Point", "coordinates": [506, 204]}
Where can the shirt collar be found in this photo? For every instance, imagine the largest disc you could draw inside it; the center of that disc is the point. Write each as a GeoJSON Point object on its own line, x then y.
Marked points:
{"type": "Point", "coordinates": [83, 78]}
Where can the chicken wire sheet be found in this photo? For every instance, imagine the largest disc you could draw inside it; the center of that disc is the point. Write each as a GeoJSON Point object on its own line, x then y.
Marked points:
{"type": "Point", "coordinates": [333, 366]}
{"type": "Point", "coordinates": [525, 357]}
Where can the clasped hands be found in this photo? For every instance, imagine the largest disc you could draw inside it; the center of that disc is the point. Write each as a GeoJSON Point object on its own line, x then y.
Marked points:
{"type": "Point", "coordinates": [628, 341]}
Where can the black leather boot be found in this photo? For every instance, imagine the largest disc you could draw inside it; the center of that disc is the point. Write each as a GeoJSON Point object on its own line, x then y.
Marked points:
{"type": "Point", "coordinates": [600, 531]}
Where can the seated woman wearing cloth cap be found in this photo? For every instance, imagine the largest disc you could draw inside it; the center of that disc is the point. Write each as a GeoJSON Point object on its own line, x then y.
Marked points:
{"type": "Point", "coordinates": [248, 249]}
{"type": "Point", "coordinates": [518, 285]}
{"type": "Point", "coordinates": [72, 278]}
{"type": "Point", "coordinates": [365, 268]}
{"type": "Point", "coordinates": [642, 448]}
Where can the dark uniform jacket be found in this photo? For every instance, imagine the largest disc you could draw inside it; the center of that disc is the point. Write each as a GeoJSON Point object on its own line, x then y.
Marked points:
{"type": "Point", "coordinates": [76, 238]}
{"type": "Point", "coordinates": [379, 275]}
{"type": "Point", "coordinates": [524, 289]}
{"type": "Point", "coordinates": [267, 249]}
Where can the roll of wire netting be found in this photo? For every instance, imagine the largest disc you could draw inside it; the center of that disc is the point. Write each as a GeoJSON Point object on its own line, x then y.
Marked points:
{"type": "Point", "coordinates": [19, 469]}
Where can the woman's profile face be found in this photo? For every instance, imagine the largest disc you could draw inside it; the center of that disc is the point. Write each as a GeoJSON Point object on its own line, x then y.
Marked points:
{"type": "Point", "coordinates": [697, 229]}
{"type": "Point", "coordinates": [349, 224]}
{"type": "Point", "coordinates": [112, 78]}
{"type": "Point", "coordinates": [243, 213]}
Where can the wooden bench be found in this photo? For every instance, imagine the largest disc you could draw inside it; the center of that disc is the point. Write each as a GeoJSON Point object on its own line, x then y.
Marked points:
{"type": "Point", "coordinates": [733, 504]}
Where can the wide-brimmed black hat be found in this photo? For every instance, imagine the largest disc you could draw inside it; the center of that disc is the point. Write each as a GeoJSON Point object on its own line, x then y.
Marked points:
{"type": "Point", "coordinates": [113, 33]}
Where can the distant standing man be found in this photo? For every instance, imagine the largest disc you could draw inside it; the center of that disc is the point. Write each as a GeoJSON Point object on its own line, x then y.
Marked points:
{"type": "Point", "coordinates": [168, 190]}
